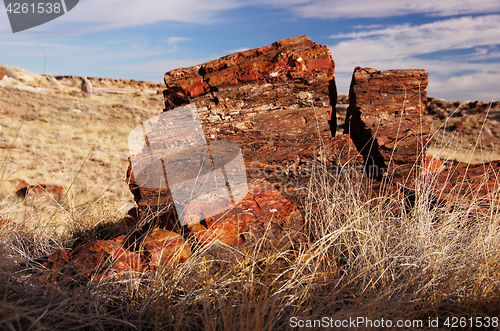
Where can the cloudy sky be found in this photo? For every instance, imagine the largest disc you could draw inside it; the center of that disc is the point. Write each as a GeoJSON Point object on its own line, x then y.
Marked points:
{"type": "Point", "coordinates": [457, 41]}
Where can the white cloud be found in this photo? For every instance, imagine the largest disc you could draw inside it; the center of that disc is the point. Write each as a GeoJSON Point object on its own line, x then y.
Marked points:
{"type": "Point", "coordinates": [159, 65]}
{"type": "Point", "coordinates": [175, 40]}
{"type": "Point", "coordinates": [399, 46]}
{"type": "Point", "coordinates": [237, 50]}
{"type": "Point", "coordinates": [409, 40]}
{"type": "Point", "coordinates": [483, 86]}
{"type": "Point", "coordinates": [113, 14]}
{"type": "Point", "coordinates": [386, 8]}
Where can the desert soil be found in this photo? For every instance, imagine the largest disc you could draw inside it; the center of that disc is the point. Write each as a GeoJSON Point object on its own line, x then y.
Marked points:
{"type": "Point", "coordinates": [55, 135]}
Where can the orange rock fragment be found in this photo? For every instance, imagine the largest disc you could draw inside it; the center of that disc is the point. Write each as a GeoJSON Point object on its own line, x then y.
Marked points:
{"type": "Point", "coordinates": [227, 233]}
{"type": "Point", "coordinates": [93, 260]}
{"type": "Point", "coordinates": [433, 164]}
{"type": "Point", "coordinates": [165, 247]}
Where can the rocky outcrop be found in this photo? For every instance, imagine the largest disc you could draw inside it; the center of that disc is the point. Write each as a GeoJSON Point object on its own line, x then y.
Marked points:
{"type": "Point", "coordinates": [98, 82]}
{"type": "Point", "coordinates": [8, 71]}
{"type": "Point", "coordinates": [270, 111]}
{"type": "Point", "coordinates": [384, 119]}
{"type": "Point", "coordinates": [275, 102]}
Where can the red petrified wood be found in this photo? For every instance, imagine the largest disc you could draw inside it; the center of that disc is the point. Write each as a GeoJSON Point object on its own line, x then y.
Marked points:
{"type": "Point", "coordinates": [263, 202]}
{"type": "Point", "coordinates": [384, 118]}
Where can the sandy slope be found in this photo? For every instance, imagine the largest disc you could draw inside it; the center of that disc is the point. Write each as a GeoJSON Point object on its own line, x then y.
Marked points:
{"type": "Point", "coordinates": [50, 134]}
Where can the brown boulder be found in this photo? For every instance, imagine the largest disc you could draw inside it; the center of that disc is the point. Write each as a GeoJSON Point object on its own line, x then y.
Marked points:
{"type": "Point", "coordinates": [384, 118]}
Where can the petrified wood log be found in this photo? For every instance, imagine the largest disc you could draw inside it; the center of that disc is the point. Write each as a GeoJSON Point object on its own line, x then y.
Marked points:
{"type": "Point", "coordinates": [478, 182]}
{"type": "Point", "coordinates": [274, 102]}
{"type": "Point", "coordinates": [384, 118]}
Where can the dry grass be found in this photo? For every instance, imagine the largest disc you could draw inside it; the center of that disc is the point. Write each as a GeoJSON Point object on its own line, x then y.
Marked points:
{"type": "Point", "coordinates": [364, 259]}
{"type": "Point", "coordinates": [79, 143]}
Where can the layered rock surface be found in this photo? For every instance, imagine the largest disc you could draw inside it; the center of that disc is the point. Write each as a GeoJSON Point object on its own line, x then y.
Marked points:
{"type": "Point", "coordinates": [384, 118]}
{"type": "Point", "coordinates": [275, 102]}
{"type": "Point", "coordinates": [105, 258]}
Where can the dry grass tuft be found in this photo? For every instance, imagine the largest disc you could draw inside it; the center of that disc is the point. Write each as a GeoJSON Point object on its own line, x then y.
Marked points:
{"type": "Point", "coordinates": [365, 259]}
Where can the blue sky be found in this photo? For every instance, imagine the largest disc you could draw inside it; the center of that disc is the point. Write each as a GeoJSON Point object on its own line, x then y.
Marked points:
{"type": "Point", "coordinates": [457, 41]}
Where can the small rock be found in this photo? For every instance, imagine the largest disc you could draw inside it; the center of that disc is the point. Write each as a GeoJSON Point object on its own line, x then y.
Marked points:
{"type": "Point", "coordinates": [166, 247]}
{"type": "Point", "coordinates": [86, 87]}
{"type": "Point", "coordinates": [26, 191]}
{"type": "Point", "coordinates": [433, 164]}
{"type": "Point", "coordinates": [92, 261]}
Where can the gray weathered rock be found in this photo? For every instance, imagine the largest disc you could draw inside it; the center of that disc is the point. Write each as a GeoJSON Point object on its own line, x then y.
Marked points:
{"type": "Point", "coordinates": [86, 87]}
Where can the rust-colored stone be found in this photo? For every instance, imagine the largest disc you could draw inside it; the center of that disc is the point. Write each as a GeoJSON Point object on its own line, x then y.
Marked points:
{"type": "Point", "coordinates": [93, 261]}
{"type": "Point", "coordinates": [263, 202]}
{"type": "Point", "coordinates": [165, 247]}
{"type": "Point", "coordinates": [284, 60]}
{"type": "Point", "coordinates": [343, 150]}
{"type": "Point", "coordinates": [433, 164]}
{"type": "Point", "coordinates": [25, 190]}
{"type": "Point", "coordinates": [384, 118]}
{"type": "Point", "coordinates": [478, 182]}
{"type": "Point", "coordinates": [96, 260]}
{"type": "Point", "coordinates": [275, 102]}
{"type": "Point", "coordinates": [227, 233]}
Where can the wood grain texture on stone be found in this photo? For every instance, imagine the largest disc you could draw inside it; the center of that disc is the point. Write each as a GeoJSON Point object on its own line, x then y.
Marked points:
{"type": "Point", "coordinates": [296, 60]}
{"type": "Point", "coordinates": [274, 102]}
{"type": "Point", "coordinates": [477, 182]}
{"type": "Point", "coordinates": [262, 203]}
{"type": "Point", "coordinates": [384, 117]}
